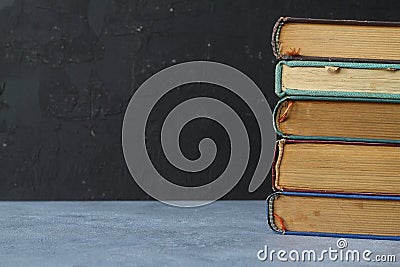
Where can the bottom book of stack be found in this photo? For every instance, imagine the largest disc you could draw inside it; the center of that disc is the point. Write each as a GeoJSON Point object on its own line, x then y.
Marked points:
{"type": "Point", "coordinates": [344, 215]}
{"type": "Point", "coordinates": [330, 188]}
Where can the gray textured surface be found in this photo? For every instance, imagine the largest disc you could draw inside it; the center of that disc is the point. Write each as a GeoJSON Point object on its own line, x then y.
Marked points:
{"type": "Point", "coordinates": [226, 233]}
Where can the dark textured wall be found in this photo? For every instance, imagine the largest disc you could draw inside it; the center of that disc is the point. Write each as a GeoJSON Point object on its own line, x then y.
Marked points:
{"type": "Point", "coordinates": [69, 68]}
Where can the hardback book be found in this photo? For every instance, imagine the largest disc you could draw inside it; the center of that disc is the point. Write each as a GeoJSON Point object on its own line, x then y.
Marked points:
{"type": "Point", "coordinates": [339, 215]}
{"type": "Point", "coordinates": [347, 40]}
{"type": "Point", "coordinates": [333, 118]}
{"type": "Point", "coordinates": [336, 167]}
{"type": "Point", "coordinates": [339, 79]}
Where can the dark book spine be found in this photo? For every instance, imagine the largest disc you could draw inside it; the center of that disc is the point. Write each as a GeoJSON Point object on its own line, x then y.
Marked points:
{"type": "Point", "coordinates": [275, 37]}
{"type": "Point", "coordinates": [283, 20]}
{"type": "Point", "coordinates": [270, 213]}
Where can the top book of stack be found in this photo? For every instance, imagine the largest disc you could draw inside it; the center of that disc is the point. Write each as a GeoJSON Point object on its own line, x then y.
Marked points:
{"type": "Point", "coordinates": [336, 40]}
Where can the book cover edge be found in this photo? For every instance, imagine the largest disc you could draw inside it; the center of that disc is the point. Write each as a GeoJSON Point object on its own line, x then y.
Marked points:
{"type": "Point", "coordinates": [272, 225]}
{"type": "Point", "coordinates": [329, 138]}
{"type": "Point", "coordinates": [282, 20]}
{"type": "Point", "coordinates": [315, 93]}
{"type": "Point", "coordinates": [279, 152]}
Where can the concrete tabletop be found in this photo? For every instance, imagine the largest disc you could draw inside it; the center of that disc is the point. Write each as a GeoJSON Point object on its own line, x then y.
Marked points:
{"type": "Point", "coordinates": [148, 233]}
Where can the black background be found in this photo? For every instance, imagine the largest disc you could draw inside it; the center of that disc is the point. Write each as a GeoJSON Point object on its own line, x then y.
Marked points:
{"type": "Point", "coordinates": [69, 69]}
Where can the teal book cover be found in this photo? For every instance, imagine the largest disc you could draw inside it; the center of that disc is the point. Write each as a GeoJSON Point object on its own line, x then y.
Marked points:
{"type": "Point", "coordinates": [337, 79]}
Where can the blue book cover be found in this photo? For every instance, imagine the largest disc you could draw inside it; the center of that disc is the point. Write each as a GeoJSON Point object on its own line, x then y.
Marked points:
{"type": "Point", "coordinates": [334, 215]}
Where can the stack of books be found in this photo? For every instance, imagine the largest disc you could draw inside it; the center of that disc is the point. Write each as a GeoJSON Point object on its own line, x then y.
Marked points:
{"type": "Point", "coordinates": [337, 167]}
